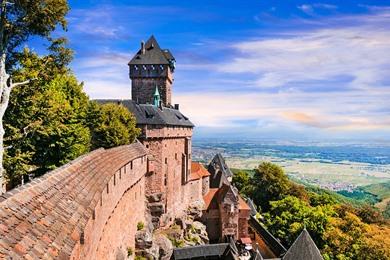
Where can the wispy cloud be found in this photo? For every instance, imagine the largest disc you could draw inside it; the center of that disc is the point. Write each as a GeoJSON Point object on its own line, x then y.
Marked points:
{"type": "Point", "coordinates": [359, 53]}
{"type": "Point", "coordinates": [329, 77]}
{"type": "Point", "coordinates": [356, 112]}
{"type": "Point", "coordinates": [310, 8]}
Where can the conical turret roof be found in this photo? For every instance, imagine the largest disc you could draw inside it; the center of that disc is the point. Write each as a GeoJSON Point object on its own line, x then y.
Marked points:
{"type": "Point", "coordinates": [152, 54]}
{"type": "Point", "coordinates": [303, 248]}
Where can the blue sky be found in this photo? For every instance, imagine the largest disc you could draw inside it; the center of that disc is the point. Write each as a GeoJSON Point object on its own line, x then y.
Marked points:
{"type": "Point", "coordinates": [266, 69]}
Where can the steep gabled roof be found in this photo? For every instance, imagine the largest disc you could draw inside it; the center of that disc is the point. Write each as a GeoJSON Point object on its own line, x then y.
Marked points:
{"type": "Point", "coordinates": [219, 170]}
{"type": "Point", "coordinates": [198, 171]}
{"type": "Point", "coordinates": [147, 114]}
{"type": "Point", "coordinates": [216, 195]}
{"type": "Point", "coordinates": [252, 206]}
{"type": "Point", "coordinates": [153, 54]}
{"type": "Point", "coordinates": [227, 189]}
{"type": "Point", "coordinates": [270, 242]}
{"type": "Point", "coordinates": [303, 248]}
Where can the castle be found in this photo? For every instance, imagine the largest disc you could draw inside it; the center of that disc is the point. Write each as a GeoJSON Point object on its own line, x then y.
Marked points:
{"type": "Point", "coordinates": [89, 208]}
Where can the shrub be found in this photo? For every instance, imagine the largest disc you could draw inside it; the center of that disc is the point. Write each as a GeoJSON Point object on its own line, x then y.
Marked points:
{"type": "Point", "coordinates": [129, 251]}
{"type": "Point", "coordinates": [140, 225]}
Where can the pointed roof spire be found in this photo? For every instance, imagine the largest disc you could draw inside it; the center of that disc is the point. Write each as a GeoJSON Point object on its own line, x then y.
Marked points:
{"type": "Point", "coordinates": [156, 98]}
{"type": "Point", "coordinates": [150, 53]}
{"type": "Point", "coordinates": [303, 248]}
{"type": "Point", "coordinates": [156, 92]}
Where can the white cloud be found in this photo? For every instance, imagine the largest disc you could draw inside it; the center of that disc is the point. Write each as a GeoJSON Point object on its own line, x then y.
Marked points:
{"type": "Point", "coordinates": [310, 8]}
{"type": "Point", "coordinates": [361, 53]}
{"type": "Point", "coordinates": [332, 80]}
{"type": "Point", "coordinates": [289, 111]}
{"type": "Point", "coordinates": [306, 8]}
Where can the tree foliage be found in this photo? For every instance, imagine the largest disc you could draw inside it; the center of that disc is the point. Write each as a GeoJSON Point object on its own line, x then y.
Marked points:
{"type": "Point", "coordinates": [25, 18]}
{"type": "Point", "coordinates": [340, 230]}
{"type": "Point", "coordinates": [287, 217]}
{"type": "Point", "coordinates": [52, 121]}
{"type": "Point", "coordinates": [112, 125]}
{"type": "Point", "coordinates": [241, 180]}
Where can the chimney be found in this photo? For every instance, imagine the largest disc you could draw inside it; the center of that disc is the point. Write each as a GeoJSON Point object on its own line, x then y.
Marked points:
{"type": "Point", "coordinates": [142, 47]}
{"type": "Point", "coordinates": [177, 106]}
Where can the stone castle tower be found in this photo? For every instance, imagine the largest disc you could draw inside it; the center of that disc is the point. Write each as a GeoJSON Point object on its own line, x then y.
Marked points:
{"type": "Point", "coordinates": [166, 132]}
{"type": "Point", "coordinates": [152, 67]}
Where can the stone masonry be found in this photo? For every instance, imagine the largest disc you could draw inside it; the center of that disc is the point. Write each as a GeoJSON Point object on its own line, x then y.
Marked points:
{"type": "Point", "coordinates": [151, 67]}
{"type": "Point", "coordinates": [87, 209]}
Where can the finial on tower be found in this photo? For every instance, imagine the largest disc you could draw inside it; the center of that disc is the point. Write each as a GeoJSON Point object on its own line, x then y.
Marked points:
{"type": "Point", "coordinates": [142, 47]}
{"type": "Point", "coordinates": [149, 67]}
{"type": "Point", "coordinates": [156, 98]}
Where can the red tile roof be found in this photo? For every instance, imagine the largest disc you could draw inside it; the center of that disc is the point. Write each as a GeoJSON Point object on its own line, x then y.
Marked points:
{"type": "Point", "coordinates": [198, 171]}
{"type": "Point", "coordinates": [44, 219]}
{"type": "Point", "coordinates": [246, 240]}
{"type": "Point", "coordinates": [211, 199]}
{"type": "Point", "coordinates": [208, 197]}
{"type": "Point", "coordinates": [242, 204]}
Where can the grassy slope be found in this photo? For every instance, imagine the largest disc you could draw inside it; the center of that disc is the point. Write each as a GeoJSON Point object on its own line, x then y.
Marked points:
{"type": "Point", "coordinates": [382, 190]}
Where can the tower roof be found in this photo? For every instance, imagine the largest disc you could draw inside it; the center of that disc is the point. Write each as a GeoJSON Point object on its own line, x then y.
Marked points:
{"type": "Point", "coordinates": [252, 206]}
{"type": "Point", "coordinates": [303, 248]}
{"type": "Point", "coordinates": [156, 98]}
{"type": "Point", "coordinates": [147, 114]}
{"type": "Point", "coordinates": [220, 172]}
{"type": "Point", "coordinates": [151, 53]}
{"type": "Point", "coordinates": [156, 93]}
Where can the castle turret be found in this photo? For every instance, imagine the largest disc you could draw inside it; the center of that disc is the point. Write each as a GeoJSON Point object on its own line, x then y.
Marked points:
{"type": "Point", "coordinates": [151, 67]}
{"type": "Point", "coordinates": [156, 98]}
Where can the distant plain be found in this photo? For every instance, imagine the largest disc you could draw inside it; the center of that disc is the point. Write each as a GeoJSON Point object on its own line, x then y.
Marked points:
{"type": "Point", "coordinates": [338, 167]}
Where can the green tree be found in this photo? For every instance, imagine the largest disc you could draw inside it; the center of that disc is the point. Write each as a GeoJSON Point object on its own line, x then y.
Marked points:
{"type": "Point", "coordinates": [269, 183]}
{"type": "Point", "coordinates": [25, 120]}
{"type": "Point", "coordinates": [62, 134]}
{"type": "Point", "coordinates": [344, 238]}
{"type": "Point", "coordinates": [287, 217]}
{"type": "Point", "coordinates": [370, 215]}
{"type": "Point", "coordinates": [241, 180]}
{"type": "Point", "coordinates": [111, 125]}
{"type": "Point", "coordinates": [47, 128]}
{"type": "Point", "coordinates": [321, 199]}
{"type": "Point", "coordinates": [18, 21]}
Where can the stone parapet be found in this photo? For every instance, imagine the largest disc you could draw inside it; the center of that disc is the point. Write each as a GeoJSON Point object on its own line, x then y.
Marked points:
{"type": "Point", "coordinates": [77, 210]}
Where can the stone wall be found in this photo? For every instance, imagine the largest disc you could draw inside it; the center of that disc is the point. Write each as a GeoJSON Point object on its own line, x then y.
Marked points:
{"type": "Point", "coordinates": [87, 209]}
{"type": "Point", "coordinates": [205, 185]}
{"type": "Point", "coordinates": [171, 149]}
{"type": "Point", "coordinates": [111, 230]}
{"type": "Point", "coordinates": [194, 191]}
{"type": "Point", "coordinates": [144, 82]}
{"type": "Point", "coordinates": [213, 224]}
{"type": "Point", "coordinates": [243, 224]}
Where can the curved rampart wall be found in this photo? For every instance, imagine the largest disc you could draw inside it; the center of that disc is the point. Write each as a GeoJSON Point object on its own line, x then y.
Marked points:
{"type": "Point", "coordinates": [87, 209]}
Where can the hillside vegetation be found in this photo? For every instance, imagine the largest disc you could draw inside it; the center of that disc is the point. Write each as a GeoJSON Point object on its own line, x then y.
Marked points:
{"type": "Point", "coordinates": [381, 191]}
{"type": "Point", "coordinates": [342, 228]}
{"type": "Point", "coordinates": [53, 121]}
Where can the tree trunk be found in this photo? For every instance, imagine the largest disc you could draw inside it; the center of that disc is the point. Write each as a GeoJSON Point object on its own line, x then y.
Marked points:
{"type": "Point", "coordinates": [4, 99]}
{"type": "Point", "coordinates": [6, 87]}
{"type": "Point", "coordinates": [3, 85]}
